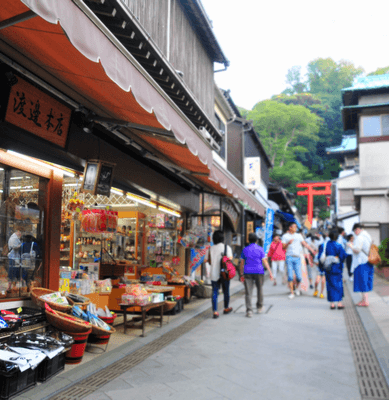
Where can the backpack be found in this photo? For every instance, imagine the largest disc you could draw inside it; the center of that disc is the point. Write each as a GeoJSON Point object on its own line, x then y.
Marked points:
{"type": "Point", "coordinates": [227, 268]}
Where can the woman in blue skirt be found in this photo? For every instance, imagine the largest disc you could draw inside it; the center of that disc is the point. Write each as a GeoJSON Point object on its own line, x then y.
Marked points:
{"type": "Point", "coordinates": [363, 270]}
{"type": "Point", "coordinates": [334, 276]}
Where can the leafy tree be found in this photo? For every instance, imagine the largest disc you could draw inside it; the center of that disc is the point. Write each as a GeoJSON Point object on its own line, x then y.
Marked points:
{"type": "Point", "coordinates": [283, 128]}
{"type": "Point", "coordinates": [380, 71]}
{"type": "Point", "coordinates": [294, 81]}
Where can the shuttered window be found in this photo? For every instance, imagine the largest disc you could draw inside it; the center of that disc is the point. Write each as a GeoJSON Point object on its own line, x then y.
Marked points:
{"type": "Point", "coordinates": [346, 197]}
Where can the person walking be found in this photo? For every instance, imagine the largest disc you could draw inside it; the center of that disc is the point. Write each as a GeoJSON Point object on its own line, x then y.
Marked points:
{"type": "Point", "coordinates": [309, 259]}
{"type": "Point", "coordinates": [320, 277]}
{"type": "Point", "coordinates": [334, 276]}
{"type": "Point", "coordinates": [349, 259]}
{"type": "Point", "coordinates": [292, 242]}
{"type": "Point", "coordinates": [342, 237]}
{"type": "Point", "coordinates": [14, 244]}
{"type": "Point", "coordinates": [214, 257]}
{"type": "Point", "coordinates": [363, 270]}
{"type": "Point", "coordinates": [253, 258]}
{"type": "Point", "coordinates": [277, 256]}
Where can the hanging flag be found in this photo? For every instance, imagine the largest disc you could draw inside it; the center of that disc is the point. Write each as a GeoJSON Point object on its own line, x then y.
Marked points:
{"type": "Point", "coordinates": [268, 229]}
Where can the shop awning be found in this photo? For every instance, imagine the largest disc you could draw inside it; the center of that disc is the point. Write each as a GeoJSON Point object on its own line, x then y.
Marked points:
{"type": "Point", "coordinates": [288, 217]}
{"type": "Point", "coordinates": [224, 182]}
{"type": "Point", "coordinates": [68, 47]}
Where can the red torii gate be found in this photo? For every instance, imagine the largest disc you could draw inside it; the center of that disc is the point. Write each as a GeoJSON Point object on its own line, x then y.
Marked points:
{"type": "Point", "coordinates": [310, 192]}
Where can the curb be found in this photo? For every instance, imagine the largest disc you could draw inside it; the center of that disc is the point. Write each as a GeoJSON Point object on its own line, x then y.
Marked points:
{"type": "Point", "coordinates": [374, 333]}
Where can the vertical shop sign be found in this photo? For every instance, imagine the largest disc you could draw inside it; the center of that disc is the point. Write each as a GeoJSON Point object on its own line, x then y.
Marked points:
{"type": "Point", "coordinates": [36, 112]}
{"type": "Point", "coordinates": [249, 229]}
{"type": "Point", "coordinates": [252, 172]}
{"type": "Point", "coordinates": [268, 229]}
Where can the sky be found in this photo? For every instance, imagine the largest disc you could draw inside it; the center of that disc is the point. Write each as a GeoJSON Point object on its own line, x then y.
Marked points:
{"type": "Point", "coordinates": [262, 39]}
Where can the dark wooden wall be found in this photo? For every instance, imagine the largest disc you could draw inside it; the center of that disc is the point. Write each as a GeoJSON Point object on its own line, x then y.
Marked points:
{"type": "Point", "coordinates": [187, 54]}
{"type": "Point", "coordinates": [235, 149]}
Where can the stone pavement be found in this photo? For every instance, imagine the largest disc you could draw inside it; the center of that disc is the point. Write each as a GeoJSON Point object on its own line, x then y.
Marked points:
{"type": "Point", "coordinates": [297, 349]}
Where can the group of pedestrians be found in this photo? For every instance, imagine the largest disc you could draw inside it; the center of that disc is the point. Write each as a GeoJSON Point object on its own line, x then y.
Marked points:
{"type": "Point", "coordinates": [287, 252]}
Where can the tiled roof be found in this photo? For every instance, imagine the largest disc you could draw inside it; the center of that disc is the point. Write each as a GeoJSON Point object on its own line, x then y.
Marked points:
{"type": "Point", "coordinates": [349, 143]}
{"type": "Point", "coordinates": [369, 82]}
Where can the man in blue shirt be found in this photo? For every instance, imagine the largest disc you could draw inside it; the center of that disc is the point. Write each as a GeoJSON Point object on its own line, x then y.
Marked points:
{"type": "Point", "coordinates": [253, 258]}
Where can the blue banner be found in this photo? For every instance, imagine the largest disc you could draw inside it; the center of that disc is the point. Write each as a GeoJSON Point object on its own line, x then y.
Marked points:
{"type": "Point", "coordinates": [197, 257]}
{"type": "Point", "coordinates": [268, 229]}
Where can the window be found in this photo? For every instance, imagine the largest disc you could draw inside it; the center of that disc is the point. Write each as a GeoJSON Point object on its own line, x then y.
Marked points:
{"type": "Point", "coordinates": [22, 203]}
{"type": "Point", "coordinates": [375, 125]}
{"type": "Point", "coordinates": [222, 128]}
{"type": "Point", "coordinates": [346, 197]}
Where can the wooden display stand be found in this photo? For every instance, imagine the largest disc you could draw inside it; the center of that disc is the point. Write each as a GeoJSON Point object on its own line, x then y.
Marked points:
{"type": "Point", "coordinates": [100, 299]}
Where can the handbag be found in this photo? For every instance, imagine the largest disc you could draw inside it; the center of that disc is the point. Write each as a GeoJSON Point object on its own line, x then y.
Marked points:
{"type": "Point", "coordinates": [323, 255]}
{"type": "Point", "coordinates": [28, 259]}
{"type": "Point", "coordinates": [373, 257]}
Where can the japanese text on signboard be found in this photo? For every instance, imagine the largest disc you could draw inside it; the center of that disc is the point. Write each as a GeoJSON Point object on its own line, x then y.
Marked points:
{"type": "Point", "coordinates": [36, 112]}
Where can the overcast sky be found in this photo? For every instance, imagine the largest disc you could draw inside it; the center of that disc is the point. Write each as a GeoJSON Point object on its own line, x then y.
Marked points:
{"type": "Point", "coordinates": [263, 39]}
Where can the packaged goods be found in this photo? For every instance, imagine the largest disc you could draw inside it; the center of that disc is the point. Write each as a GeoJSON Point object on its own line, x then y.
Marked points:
{"type": "Point", "coordinates": [55, 297]}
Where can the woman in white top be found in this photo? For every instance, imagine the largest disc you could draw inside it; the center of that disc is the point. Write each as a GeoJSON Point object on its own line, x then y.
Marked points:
{"type": "Point", "coordinates": [363, 270]}
{"type": "Point", "coordinates": [214, 258]}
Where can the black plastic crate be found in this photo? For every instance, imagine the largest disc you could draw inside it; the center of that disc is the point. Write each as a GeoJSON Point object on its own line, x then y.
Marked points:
{"type": "Point", "coordinates": [48, 368]}
{"type": "Point", "coordinates": [13, 383]}
{"type": "Point", "coordinates": [30, 316]}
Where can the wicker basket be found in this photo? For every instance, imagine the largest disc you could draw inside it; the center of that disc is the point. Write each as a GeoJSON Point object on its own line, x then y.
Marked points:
{"type": "Point", "coordinates": [63, 324]}
{"type": "Point", "coordinates": [37, 292]}
{"type": "Point", "coordinates": [83, 305]}
{"type": "Point", "coordinates": [96, 330]}
{"type": "Point", "coordinates": [169, 305]}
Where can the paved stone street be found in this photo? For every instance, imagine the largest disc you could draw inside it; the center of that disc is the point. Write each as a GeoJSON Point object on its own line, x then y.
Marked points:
{"type": "Point", "coordinates": [297, 349]}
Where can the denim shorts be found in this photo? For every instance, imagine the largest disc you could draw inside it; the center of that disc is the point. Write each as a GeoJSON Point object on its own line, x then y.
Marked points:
{"type": "Point", "coordinates": [293, 264]}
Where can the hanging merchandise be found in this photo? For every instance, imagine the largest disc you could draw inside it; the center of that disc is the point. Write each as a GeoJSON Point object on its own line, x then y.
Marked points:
{"type": "Point", "coordinates": [196, 237]}
{"type": "Point", "coordinates": [99, 221]}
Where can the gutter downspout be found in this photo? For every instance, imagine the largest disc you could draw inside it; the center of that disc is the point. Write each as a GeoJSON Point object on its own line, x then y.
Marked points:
{"type": "Point", "coordinates": [168, 30]}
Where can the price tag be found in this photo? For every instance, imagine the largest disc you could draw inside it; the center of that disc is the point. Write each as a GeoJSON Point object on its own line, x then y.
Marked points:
{"type": "Point", "coordinates": [19, 310]}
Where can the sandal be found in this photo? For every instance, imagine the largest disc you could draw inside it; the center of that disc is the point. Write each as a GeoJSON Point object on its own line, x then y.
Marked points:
{"type": "Point", "coordinates": [363, 304]}
{"type": "Point", "coordinates": [215, 315]}
{"type": "Point", "coordinates": [340, 307]}
{"type": "Point", "coordinates": [332, 307]}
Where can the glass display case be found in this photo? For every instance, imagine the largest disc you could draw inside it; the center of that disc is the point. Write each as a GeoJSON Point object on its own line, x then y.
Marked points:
{"type": "Point", "coordinates": [22, 204]}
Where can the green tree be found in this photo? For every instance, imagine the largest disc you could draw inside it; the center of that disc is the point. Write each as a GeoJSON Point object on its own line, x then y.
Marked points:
{"type": "Point", "coordinates": [282, 128]}
{"type": "Point", "coordinates": [380, 71]}
{"type": "Point", "coordinates": [294, 81]}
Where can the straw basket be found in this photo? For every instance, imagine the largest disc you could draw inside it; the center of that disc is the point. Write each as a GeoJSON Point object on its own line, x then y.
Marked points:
{"type": "Point", "coordinates": [63, 324]}
{"type": "Point", "coordinates": [100, 335]}
{"type": "Point", "coordinates": [82, 305]}
{"type": "Point", "coordinates": [37, 292]}
{"type": "Point", "coordinates": [169, 305]}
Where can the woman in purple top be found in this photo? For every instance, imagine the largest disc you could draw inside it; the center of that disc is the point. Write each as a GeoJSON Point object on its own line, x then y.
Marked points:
{"type": "Point", "coordinates": [253, 259]}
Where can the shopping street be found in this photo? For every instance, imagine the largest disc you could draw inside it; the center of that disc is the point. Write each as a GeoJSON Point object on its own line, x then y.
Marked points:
{"type": "Point", "coordinates": [296, 349]}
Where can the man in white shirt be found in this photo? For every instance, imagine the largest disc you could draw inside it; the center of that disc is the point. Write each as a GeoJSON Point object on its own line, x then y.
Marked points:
{"type": "Point", "coordinates": [341, 238]}
{"type": "Point", "coordinates": [292, 242]}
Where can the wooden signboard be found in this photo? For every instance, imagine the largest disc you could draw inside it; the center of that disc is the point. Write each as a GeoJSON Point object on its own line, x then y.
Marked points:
{"type": "Point", "coordinates": [98, 176]}
{"type": "Point", "coordinates": [249, 229]}
{"type": "Point", "coordinates": [33, 110]}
